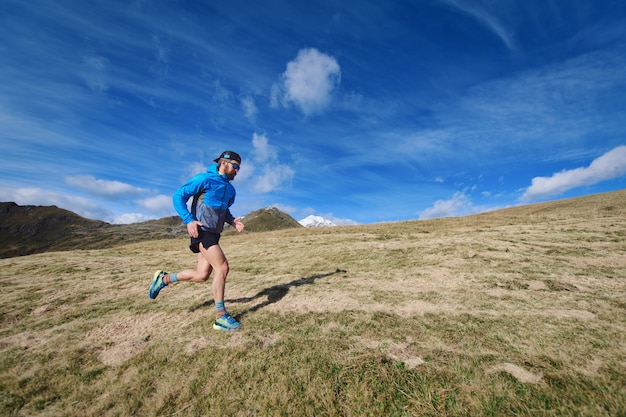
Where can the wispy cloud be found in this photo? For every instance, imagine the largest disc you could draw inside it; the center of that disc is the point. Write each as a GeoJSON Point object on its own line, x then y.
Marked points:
{"type": "Point", "coordinates": [94, 73]}
{"type": "Point", "coordinates": [609, 166]}
{"type": "Point", "coordinates": [250, 109]}
{"type": "Point", "coordinates": [460, 204]}
{"type": "Point", "coordinates": [308, 81]}
{"type": "Point", "coordinates": [485, 18]}
{"type": "Point", "coordinates": [104, 188]}
{"type": "Point", "coordinates": [268, 171]}
{"type": "Point", "coordinates": [339, 221]}
{"type": "Point", "coordinates": [455, 206]}
{"type": "Point", "coordinates": [520, 116]}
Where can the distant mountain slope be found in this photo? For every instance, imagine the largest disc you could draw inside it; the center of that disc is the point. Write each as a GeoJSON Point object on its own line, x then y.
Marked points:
{"type": "Point", "coordinates": [25, 230]}
{"type": "Point", "coordinates": [269, 219]}
{"type": "Point", "coordinates": [606, 204]}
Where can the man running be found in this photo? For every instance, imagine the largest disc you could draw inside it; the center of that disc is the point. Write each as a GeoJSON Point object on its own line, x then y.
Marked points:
{"type": "Point", "coordinates": [213, 194]}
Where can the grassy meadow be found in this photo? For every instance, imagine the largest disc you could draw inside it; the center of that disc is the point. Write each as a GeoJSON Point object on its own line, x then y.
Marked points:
{"type": "Point", "coordinates": [519, 312]}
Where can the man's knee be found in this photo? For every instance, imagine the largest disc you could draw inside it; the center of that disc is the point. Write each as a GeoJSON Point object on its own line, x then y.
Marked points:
{"type": "Point", "coordinates": [222, 269]}
{"type": "Point", "coordinates": [202, 276]}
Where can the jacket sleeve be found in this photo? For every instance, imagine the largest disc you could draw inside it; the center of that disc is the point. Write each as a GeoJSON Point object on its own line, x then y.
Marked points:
{"type": "Point", "coordinates": [189, 189]}
{"type": "Point", "coordinates": [230, 219]}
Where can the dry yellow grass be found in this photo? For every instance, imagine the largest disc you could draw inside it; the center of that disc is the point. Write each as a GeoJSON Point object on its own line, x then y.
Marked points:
{"type": "Point", "coordinates": [516, 312]}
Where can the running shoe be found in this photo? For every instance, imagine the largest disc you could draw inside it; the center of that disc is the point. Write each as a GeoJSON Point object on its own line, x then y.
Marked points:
{"type": "Point", "coordinates": [226, 323]}
{"type": "Point", "coordinates": [157, 284]}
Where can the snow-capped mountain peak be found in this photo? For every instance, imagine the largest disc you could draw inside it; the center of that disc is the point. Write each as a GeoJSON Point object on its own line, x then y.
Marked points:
{"type": "Point", "coordinates": [316, 221]}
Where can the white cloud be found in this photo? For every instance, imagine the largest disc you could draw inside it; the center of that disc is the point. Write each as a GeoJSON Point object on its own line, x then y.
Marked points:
{"type": "Point", "coordinates": [267, 171]}
{"type": "Point", "coordinates": [460, 204]}
{"type": "Point", "coordinates": [104, 188]}
{"type": "Point", "coordinates": [339, 221]}
{"type": "Point", "coordinates": [609, 166]}
{"type": "Point", "coordinates": [250, 110]}
{"type": "Point", "coordinates": [263, 151]}
{"type": "Point", "coordinates": [272, 178]}
{"type": "Point", "coordinates": [447, 208]}
{"type": "Point", "coordinates": [160, 205]}
{"type": "Point", "coordinates": [128, 218]}
{"type": "Point", "coordinates": [308, 81]}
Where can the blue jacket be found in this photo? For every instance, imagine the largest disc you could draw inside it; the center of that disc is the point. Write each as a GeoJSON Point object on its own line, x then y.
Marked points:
{"type": "Point", "coordinates": [213, 195]}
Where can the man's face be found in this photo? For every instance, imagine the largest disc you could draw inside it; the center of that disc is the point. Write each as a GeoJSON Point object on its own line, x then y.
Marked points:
{"type": "Point", "coordinates": [231, 168]}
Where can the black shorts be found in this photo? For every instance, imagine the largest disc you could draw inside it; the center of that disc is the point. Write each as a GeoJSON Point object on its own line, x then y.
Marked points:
{"type": "Point", "coordinates": [207, 239]}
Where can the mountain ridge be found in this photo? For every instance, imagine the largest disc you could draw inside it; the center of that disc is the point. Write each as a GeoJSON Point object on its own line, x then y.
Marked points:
{"type": "Point", "coordinates": [26, 230]}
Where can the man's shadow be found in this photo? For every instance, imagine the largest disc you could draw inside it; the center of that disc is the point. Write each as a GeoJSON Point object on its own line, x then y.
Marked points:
{"type": "Point", "coordinates": [274, 294]}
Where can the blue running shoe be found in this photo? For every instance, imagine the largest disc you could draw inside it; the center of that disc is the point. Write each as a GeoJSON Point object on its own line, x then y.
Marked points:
{"type": "Point", "coordinates": [157, 284]}
{"type": "Point", "coordinates": [226, 323]}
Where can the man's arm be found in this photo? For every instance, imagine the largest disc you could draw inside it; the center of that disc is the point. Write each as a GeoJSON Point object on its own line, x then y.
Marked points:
{"type": "Point", "coordinates": [180, 197]}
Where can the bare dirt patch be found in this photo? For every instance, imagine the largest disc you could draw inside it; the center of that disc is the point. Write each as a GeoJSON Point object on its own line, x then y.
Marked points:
{"type": "Point", "coordinates": [517, 372]}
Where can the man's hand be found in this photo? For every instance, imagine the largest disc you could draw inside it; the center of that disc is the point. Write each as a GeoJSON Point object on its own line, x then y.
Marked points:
{"type": "Point", "coordinates": [238, 224]}
{"type": "Point", "coordinates": [192, 228]}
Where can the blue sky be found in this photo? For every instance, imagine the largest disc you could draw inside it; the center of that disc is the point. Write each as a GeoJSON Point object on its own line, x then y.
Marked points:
{"type": "Point", "coordinates": [358, 111]}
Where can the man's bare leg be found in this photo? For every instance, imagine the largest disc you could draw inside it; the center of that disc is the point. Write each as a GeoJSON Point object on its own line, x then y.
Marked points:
{"type": "Point", "coordinates": [219, 264]}
{"type": "Point", "coordinates": [209, 260]}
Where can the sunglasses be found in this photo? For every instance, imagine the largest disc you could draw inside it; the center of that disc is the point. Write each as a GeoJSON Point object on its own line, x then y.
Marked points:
{"type": "Point", "coordinates": [235, 165]}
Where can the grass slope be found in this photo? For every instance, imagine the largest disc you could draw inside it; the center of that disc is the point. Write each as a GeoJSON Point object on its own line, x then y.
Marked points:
{"type": "Point", "coordinates": [517, 312]}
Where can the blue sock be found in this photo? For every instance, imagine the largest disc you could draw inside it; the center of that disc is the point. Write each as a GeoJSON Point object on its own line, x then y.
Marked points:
{"type": "Point", "coordinates": [219, 306]}
{"type": "Point", "coordinates": [174, 277]}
